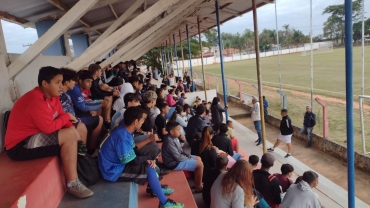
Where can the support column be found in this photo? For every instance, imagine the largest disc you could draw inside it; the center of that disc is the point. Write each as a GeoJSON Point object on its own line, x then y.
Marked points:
{"type": "Point", "coordinates": [80, 43]}
{"type": "Point", "coordinates": [175, 53]}
{"type": "Point", "coordinates": [221, 59]}
{"type": "Point", "coordinates": [201, 59]}
{"type": "Point", "coordinates": [3, 49]}
{"type": "Point", "coordinates": [189, 54]}
{"type": "Point", "coordinates": [168, 60]}
{"type": "Point", "coordinates": [182, 54]}
{"type": "Point", "coordinates": [257, 49]}
{"type": "Point", "coordinates": [349, 104]}
{"type": "Point", "coordinates": [59, 28]}
{"type": "Point", "coordinates": [115, 38]}
{"type": "Point", "coordinates": [66, 45]}
{"type": "Point", "coordinates": [57, 47]}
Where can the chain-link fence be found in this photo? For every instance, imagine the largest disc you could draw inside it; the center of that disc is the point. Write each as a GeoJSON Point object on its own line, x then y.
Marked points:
{"type": "Point", "coordinates": [296, 103]}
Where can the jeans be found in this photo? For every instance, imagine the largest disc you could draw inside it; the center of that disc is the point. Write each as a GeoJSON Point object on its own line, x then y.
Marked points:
{"type": "Point", "coordinates": [307, 131]}
{"type": "Point", "coordinates": [141, 138]}
{"type": "Point", "coordinates": [236, 156]}
{"type": "Point", "coordinates": [257, 126]}
{"type": "Point", "coordinates": [170, 112]}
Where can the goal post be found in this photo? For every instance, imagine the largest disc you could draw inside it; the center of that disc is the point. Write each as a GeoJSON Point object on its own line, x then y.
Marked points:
{"type": "Point", "coordinates": [318, 48]}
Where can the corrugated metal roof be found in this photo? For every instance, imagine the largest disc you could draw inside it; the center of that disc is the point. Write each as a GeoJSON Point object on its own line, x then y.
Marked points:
{"type": "Point", "coordinates": [95, 21]}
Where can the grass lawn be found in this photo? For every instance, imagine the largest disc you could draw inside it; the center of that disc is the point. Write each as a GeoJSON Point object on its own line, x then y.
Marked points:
{"type": "Point", "coordinates": [329, 85]}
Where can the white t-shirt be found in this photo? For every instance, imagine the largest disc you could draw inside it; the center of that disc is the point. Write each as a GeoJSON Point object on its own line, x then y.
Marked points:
{"type": "Point", "coordinates": [256, 112]}
{"type": "Point", "coordinates": [119, 104]}
{"type": "Point", "coordinates": [172, 81]}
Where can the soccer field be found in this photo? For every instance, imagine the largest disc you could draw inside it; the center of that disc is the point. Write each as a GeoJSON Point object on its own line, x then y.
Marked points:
{"type": "Point", "coordinates": [329, 86]}
{"type": "Point", "coordinates": [328, 71]}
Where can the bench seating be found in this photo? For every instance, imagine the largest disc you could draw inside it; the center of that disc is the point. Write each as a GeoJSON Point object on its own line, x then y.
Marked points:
{"type": "Point", "coordinates": [175, 180]}
{"type": "Point", "coordinates": [34, 183]}
{"type": "Point", "coordinates": [106, 194]}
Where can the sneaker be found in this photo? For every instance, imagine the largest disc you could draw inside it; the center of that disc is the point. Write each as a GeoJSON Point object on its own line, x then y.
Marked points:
{"type": "Point", "coordinates": [307, 146]}
{"type": "Point", "coordinates": [256, 140]}
{"type": "Point", "coordinates": [270, 149]}
{"type": "Point", "coordinates": [79, 190]}
{"type": "Point", "coordinates": [287, 155]}
{"type": "Point", "coordinates": [167, 191]}
{"type": "Point", "coordinates": [171, 204]}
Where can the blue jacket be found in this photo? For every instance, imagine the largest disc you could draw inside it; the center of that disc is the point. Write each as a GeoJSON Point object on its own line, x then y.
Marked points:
{"type": "Point", "coordinates": [79, 101]}
{"type": "Point", "coordinates": [309, 119]}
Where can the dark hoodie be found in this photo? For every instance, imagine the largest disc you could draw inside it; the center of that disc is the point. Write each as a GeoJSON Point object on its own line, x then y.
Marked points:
{"type": "Point", "coordinates": [286, 127]}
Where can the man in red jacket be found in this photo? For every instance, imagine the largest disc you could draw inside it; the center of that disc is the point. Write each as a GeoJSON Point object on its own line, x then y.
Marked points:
{"type": "Point", "coordinates": [38, 127]}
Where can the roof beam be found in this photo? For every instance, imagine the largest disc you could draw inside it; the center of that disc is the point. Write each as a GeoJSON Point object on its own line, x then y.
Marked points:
{"type": "Point", "coordinates": [12, 18]}
{"type": "Point", "coordinates": [103, 3]}
{"type": "Point", "coordinates": [114, 12]}
{"type": "Point", "coordinates": [121, 34]}
{"type": "Point", "coordinates": [60, 27]}
{"type": "Point", "coordinates": [113, 27]}
{"type": "Point", "coordinates": [63, 7]}
{"type": "Point", "coordinates": [176, 15]}
{"type": "Point", "coordinates": [145, 4]}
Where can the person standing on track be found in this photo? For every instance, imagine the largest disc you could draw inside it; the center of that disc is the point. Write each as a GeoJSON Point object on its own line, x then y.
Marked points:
{"type": "Point", "coordinates": [309, 122]}
{"type": "Point", "coordinates": [256, 117]}
{"type": "Point", "coordinates": [286, 132]}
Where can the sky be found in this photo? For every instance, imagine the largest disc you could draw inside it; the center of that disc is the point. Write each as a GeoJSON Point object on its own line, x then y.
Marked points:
{"type": "Point", "coordinates": [295, 13]}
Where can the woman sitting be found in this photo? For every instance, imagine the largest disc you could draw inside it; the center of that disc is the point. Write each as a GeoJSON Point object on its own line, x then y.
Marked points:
{"type": "Point", "coordinates": [234, 188]}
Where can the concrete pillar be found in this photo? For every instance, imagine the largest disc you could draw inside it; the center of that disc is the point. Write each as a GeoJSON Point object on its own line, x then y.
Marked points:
{"type": "Point", "coordinates": [80, 43]}
{"type": "Point", "coordinates": [55, 49]}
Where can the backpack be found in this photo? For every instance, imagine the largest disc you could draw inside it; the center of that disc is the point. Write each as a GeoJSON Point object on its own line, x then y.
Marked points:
{"type": "Point", "coordinates": [5, 120]}
{"type": "Point", "coordinates": [261, 201]}
{"type": "Point", "coordinates": [87, 167]}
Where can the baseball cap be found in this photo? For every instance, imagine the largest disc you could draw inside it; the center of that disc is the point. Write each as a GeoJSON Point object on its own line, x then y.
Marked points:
{"type": "Point", "coordinates": [149, 96]}
{"type": "Point", "coordinates": [268, 158]}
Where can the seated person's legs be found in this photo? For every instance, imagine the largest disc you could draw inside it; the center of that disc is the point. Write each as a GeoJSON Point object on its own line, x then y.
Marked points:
{"type": "Point", "coordinates": [82, 131]}
{"type": "Point", "coordinates": [235, 145]}
{"type": "Point", "coordinates": [194, 165]}
{"type": "Point", "coordinates": [93, 126]}
{"type": "Point", "coordinates": [237, 156]}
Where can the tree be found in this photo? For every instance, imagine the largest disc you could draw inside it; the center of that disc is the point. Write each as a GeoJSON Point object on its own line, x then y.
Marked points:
{"type": "Point", "coordinates": [334, 25]}
{"type": "Point", "coordinates": [318, 38]}
{"type": "Point", "coordinates": [357, 29]}
{"type": "Point", "coordinates": [211, 36]}
{"type": "Point", "coordinates": [266, 38]}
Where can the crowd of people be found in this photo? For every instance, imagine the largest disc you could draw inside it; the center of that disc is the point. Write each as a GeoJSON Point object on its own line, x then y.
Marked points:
{"type": "Point", "coordinates": [118, 116]}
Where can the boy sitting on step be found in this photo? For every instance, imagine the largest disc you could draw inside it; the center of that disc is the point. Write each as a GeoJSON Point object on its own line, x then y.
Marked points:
{"type": "Point", "coordinates": [176, 159]}
{"type": "Point", "coordinates": [121, 159]}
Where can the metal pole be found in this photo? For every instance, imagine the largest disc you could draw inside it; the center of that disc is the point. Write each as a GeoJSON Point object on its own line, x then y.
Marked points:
{"type": "Point", "coordinates": [175, 53]}
{"type": "Point", "coordinates": [278, 43]}
{"type": "Point", "coordinates": [257, 45]}
{"type": "Point", "coordinates": [349, 104]}
{"type": "Point", "coordinates": [182, 54]}
{"type": "Point", "coordinates": [171, 53]}
{"type": "Point", "coordinates": [165, 60]}
{"type": "Point", "coordinates": [201, 59]}
{"type": "Point", "coordinates": [221, 59]}
{"type": "Point", "coordinates": [311, 55]}
{"type": "Point", "coordinates": [168, 58]}
{"type": "Point", "coordinates": [190, 64]}
{"type": "Point", "coordinates": [160, 53]}
{"type": "Point", "coordinates": [363, 48]}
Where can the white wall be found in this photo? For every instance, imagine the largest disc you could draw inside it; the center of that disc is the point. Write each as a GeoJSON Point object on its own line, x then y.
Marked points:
{"type": "Point", "coordinates": [27, 79]}
{"type": "Point", "coordinates": [5, 100]}
{"type": "Point", "coordinates": [190, 96]}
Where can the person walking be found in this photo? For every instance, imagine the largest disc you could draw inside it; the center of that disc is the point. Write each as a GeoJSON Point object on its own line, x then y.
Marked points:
{"type": "Point", "coordinates": [286, 132]}
{"type": "Point", "coordinates": [309, 122]}
{"type": "Point", "coordinates": [216, 111]}
{"type": "Point", "coordinates": [256, 117]}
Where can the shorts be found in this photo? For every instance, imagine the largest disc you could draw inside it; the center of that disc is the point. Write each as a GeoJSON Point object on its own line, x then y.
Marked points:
{"type": "Point", "coordinates": [91, 122]}
{"type": "Point", "coordinates": [285, 138]}
{"type": "Point", "coordinates": [189, 165]}
{"type": "Point", "coordinates": [36, 146]}
{"type": "Point", "coordinates": [234, 142]}
{"type": "Point", "coordinates": [134, 173]}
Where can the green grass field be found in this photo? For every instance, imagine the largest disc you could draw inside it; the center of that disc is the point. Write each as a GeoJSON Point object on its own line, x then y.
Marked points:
{"type": "Point", "coordinates": [329, 85]}
{"type": "Point", "coordinates": [328, 71]}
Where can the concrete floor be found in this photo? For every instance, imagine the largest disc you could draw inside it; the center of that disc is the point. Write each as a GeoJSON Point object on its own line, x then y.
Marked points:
{"type": "Point", "coordinates": [330, 167]}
